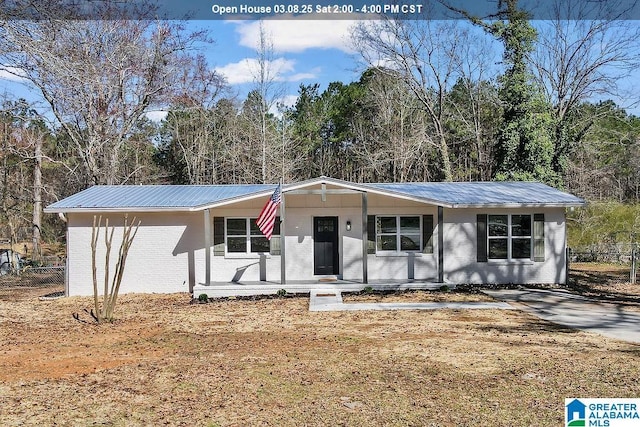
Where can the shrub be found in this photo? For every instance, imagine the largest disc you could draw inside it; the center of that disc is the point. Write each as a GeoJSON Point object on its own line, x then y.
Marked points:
{"type": "Point", "coordinates": [203, 297]}
{"type": "Point", "coordinates": [281, 292]}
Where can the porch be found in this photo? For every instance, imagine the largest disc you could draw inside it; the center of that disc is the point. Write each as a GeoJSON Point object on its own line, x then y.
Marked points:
{"type": "Point", "coordinates": [251, 288]}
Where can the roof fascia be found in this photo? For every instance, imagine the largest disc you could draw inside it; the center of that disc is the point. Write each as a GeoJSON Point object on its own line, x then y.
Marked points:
{"type": "Point", "coordinates": [411, 198]}
{"type": "Point", "coordinates": [518, 205]}
{"type": "Point", "coordinates": [364, 188]}
{"type": "Point", "coordinates": [114, 210]}
{"type": "Point", "coordinates": [232, 200]}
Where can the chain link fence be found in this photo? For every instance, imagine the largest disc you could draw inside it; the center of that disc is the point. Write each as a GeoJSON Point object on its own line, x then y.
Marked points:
{"type": "Point", "coordinates": [617, 265]}
{"type": "Point", "coordinates": [44, 279]}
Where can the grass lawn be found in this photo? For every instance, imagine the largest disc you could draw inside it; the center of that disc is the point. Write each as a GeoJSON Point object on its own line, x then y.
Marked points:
{"type": "Point", "coordinates": [271, 362]}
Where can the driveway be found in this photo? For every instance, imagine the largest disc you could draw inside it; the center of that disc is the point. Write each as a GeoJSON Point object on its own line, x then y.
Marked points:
{"type": "Point", "coordinates": [575, 311]}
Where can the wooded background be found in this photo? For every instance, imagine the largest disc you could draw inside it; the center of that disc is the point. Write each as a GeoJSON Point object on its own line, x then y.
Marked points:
{"type": "Point", "coordinates": [431, 105]}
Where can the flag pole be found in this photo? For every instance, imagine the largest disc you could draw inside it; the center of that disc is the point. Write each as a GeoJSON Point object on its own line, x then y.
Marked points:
{"type": "Point", "coordinates": [283, 264]}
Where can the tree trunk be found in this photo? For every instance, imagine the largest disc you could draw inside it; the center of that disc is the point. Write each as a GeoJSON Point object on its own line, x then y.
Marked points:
{"type": "Point", "coordinates": [446, 162]}
{"type": "Point", "coordinates": [36, 253]}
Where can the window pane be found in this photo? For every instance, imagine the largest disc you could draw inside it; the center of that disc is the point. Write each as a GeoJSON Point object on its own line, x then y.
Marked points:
{"type": "Point", "coordinates": [260, 244]}
{"type": "Point", "coordinates": [386, 224]}
{"type": "Point", "coordinates": [410, 224]}
{"type": "Point", "coordinates": [255, 231]}
{"type": "Point", "coordinates": [236, 227]}
{"type": "Point", "coordinates": [387, 243]}
{"type": "Point", "coordinates": [325, 225]}
{"type": "Point", "coordinates": [521, 225]}
{"type": "Point", "coordinates": [236, 244]}
{"type": "Point", "coordinates": [498, 248]}
{"type": "Point", "coordinates": [498, 225]}
{"type": "Point", "coordinates": [521, 248]}
{"type": "Point", "coordinates": [410, 242]}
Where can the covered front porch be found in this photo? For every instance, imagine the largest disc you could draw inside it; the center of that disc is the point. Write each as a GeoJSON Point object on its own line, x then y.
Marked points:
{"type": "Point", "coordinates": [325, 228]}
{"type": "Point", "coordinates": [251, 288]}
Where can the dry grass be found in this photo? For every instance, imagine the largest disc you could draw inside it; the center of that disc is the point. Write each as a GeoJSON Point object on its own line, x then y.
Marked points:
{"type": "Point", "coordinates": [273, 363]}
{"type": "Point", "coordinates": [416, 296]}
{"type": "Point", "coordinates": [606, 283]}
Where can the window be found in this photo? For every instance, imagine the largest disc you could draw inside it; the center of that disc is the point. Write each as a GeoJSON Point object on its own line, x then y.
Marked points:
{"type": "Point", "coordinates": [244, 236]}
{"type": "Point", "coordinates": [398, 233]}
{"type": "Point", "coordinates": [509, 236]}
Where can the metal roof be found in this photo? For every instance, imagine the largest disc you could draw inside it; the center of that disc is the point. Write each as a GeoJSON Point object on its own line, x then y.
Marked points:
{"type": "Point", "coordinates": [154, 197]}
{"type": "Point", "coordinates": [198, 197]}
{"type": "Point", "coordinates": [484, 194]}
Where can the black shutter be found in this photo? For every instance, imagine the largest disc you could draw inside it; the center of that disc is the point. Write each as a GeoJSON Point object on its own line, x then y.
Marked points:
{"type": "Point", "coordinates": [427, 234]}
{"type": "Point", "coordinates": [538, 237]}
{"type": "Point", "coordinates": [371, 234]}
{"type": "Point", "coordinates": [482, 238]}
{"type": "Point", "coordinates": [218, 236]}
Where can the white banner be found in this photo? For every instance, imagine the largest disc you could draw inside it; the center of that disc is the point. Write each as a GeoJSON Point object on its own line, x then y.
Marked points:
{"type": "Point", "coordinates": [583, 412]}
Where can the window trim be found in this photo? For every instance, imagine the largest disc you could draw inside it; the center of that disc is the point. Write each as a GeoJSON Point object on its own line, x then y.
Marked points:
{"type": "Point", "coordinates": [248, 253]}
{"type": "Point", "coordinates": [398, 234]}
{"type": "Point", "coordinates": [510, 237]}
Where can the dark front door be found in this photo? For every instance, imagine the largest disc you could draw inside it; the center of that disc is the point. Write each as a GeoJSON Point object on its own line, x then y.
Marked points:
{"type": "Point", "coordinates": [325, 245]}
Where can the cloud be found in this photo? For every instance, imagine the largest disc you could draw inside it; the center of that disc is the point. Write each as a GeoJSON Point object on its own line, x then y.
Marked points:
{"type": "Point", "coordinates": [301, 76]}
{"type": "Point", "coordinates": [156, 116]}
{"type": "Point", "coordinates": [12, 74]}
{"type": "Point", "coordinates": [297, 35]}
{"type": "Point", "coordinates": [286, 101]}
{"type": "Point", "coordinates": [247, 70]}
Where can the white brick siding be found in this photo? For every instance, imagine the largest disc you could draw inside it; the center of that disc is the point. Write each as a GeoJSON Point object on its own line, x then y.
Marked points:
{"type": "Point", "coordinates": [167, 255]}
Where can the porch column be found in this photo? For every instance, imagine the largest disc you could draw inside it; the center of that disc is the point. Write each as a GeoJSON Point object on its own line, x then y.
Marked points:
{"type": "Point", "coordinates": [283, 264]}
{"type": "Point", "coordinates": [365, 238]}
{"type": "Point", "coordinates": [440, 244]}
{"type": "Point", "coordinates": [207, 247]}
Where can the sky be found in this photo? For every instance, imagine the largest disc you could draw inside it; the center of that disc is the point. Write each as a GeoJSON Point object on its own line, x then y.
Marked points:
{"type": "Point", "coordinates": [304, 52]}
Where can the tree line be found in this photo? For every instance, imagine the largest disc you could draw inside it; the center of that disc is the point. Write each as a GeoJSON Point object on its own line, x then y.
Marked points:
{"type": "Point", "coordinates": [434, 102]}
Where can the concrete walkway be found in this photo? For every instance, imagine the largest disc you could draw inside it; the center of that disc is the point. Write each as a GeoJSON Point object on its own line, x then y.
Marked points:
{"type": "Point", "coordinates": [329, 300]}
{"type": "Point", "coordinates": [574, 311]}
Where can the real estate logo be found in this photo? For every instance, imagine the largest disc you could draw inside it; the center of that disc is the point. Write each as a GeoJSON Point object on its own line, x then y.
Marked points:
{"type": "Point", "coordinates": [582, 412]}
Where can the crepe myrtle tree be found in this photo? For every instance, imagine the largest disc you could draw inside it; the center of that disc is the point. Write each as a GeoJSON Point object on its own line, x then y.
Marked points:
{"type": "Point", "coordinates": [104, 310]}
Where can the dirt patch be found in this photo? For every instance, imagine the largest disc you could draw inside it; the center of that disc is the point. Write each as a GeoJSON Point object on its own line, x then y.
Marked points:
{"type": "Point", "coordinates": [10, 290]}
{"type": "Point", "coordinates": [272, 362]}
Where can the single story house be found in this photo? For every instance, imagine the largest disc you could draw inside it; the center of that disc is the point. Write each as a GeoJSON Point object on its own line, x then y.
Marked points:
{"type": "Point", "coordinates": [204, 239]}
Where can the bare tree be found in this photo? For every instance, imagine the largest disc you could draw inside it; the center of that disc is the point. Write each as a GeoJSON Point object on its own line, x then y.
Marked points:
{"type": "Point", "coordinates": [193, 123]}
{"type": "Point", "coordinates": [475, 106]}
{"type": "Point", "coordinates": [580, 59]}
{"type": "Point", "coordinates": [424, 54]}
{"type": "Point", "coordinates": [104, 311]}
{"type": "Point", "coordinates": [270, 91]}
{"type": "Point", "coordinates": [389, 129]}
{"type": "Point", "coordinates": [23, 136]}
{"type": "Point", "coordinates": [99, 77]}
{"type": "Point", "coordinates": [29, 149]}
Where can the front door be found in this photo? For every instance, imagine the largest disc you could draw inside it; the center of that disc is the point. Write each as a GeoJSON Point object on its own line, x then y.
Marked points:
{"type": "Point", "coordinates": [325, 245]}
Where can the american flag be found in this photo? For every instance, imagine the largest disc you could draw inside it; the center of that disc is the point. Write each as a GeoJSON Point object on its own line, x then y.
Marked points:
{"type": "Point", "coordinates": [267, 218]}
